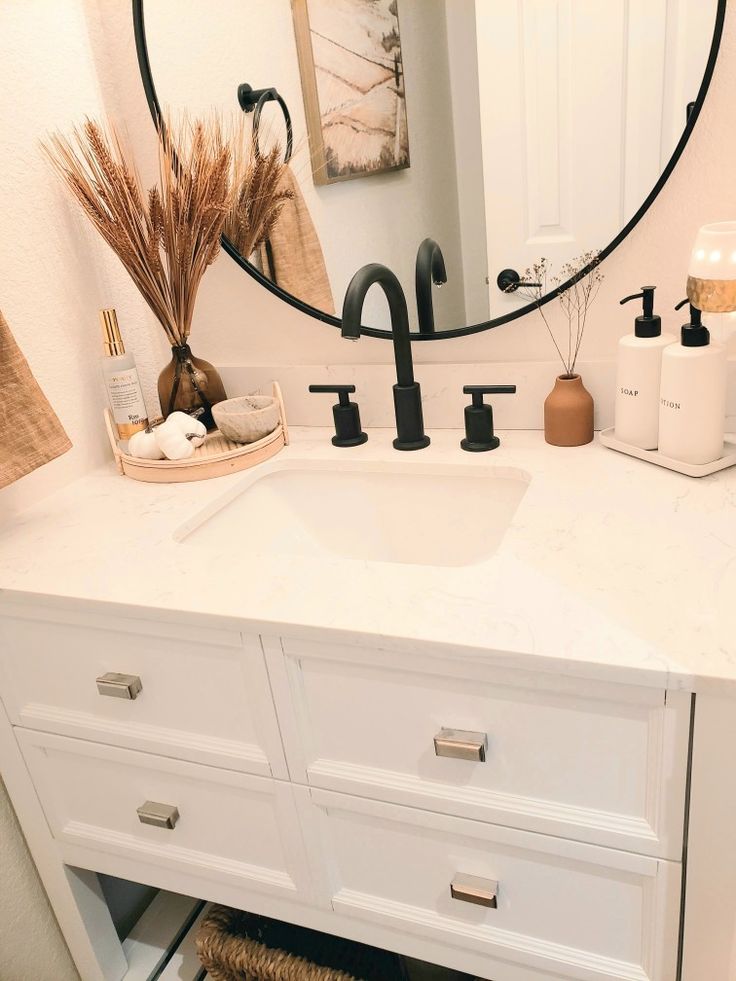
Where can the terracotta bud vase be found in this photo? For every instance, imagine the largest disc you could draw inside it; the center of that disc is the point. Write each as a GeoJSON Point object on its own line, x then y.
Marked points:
{"type": "Point", "coordinates": [568, 413]}
{"type": "Point", "coordinates": [189, 384]}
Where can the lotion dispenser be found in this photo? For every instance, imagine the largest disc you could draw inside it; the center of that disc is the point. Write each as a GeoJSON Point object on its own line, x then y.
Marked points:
{"type": "Point", "coordinates": [692, 403]}
{"type": "Point", "coordinates": [638, 375]}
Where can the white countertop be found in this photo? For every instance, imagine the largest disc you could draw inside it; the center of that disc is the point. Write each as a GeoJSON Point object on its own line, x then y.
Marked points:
{"type": "Point", "coordinates": [612, 568]}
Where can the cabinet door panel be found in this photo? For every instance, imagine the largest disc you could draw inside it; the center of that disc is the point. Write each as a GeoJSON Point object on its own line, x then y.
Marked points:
{"type": "Point", "coordinates": [603, 763]}
{"type": "Point", "coordinates": [201, 820]}
{"type": "Point", "coordinates": [563, 909]}
{"type": "Point", "coordinates": [204, 694]}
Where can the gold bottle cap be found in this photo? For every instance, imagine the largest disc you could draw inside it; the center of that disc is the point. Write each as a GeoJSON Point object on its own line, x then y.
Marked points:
{"type": "Point", "coordinates": [111, 337]}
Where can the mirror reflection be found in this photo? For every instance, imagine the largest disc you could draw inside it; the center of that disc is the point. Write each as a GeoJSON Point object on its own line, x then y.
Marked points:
{"type": "Point", "coordinates": [447, 139]}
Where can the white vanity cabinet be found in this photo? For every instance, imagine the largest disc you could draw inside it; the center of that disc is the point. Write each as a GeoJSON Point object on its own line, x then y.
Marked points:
{"type": "Point", "coordinates": [519, 826]}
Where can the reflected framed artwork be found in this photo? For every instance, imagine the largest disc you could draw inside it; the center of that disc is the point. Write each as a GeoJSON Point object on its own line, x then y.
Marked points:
{"type": "Point", "coordinates": [352, 74]}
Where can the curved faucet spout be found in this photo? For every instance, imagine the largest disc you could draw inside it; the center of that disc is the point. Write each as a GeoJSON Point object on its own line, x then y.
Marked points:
{"type": "Point", "coordinates": [430, 268]}
{"type": "Point", "coordinates": [352, 313]}
{"type": "Point", "coordinates": [410, 433]}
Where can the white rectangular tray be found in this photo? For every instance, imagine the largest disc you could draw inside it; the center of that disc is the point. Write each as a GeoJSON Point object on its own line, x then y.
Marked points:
{"type": "Point", "coordinates": [727, 459]}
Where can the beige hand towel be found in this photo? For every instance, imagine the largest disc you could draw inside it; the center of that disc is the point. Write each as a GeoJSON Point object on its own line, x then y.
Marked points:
{"type": "Point", "coordinates": [293, 256]}
{"type": "Point", "coordinates": [30, 433]}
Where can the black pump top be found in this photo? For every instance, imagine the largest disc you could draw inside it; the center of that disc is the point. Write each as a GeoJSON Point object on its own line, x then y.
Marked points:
{"type": "Point", "coordinates": [647, 324]}
{"type": "Point", "coordinates": [694, 334]}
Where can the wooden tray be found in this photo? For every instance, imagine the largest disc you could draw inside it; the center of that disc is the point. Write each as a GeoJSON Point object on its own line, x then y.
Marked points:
{"type": "Point", "coordinates": [727, 459]}
{"type": "Point", "coordinates": [216, 457]}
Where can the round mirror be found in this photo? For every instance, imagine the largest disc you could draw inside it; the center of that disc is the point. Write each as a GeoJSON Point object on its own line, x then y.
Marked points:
{"type": "Point", "coordinates": [455, 140]}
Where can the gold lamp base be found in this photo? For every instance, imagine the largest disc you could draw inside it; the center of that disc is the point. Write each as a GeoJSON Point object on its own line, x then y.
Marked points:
{"type": "Point", "coordinates": [712, 295]}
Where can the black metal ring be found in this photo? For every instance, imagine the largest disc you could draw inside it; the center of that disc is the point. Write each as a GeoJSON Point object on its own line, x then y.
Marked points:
{"type": "Point", "coordinates": [250, 99]}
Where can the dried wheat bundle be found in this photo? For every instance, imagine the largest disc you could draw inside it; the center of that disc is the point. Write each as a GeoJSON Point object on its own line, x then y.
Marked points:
{"type": "Point", "coordinates": [259, 194]}
{"type": "Point", "coordinates": [165, 237]}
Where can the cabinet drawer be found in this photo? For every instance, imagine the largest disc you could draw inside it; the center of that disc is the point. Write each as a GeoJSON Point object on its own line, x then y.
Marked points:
{"type": "Point", "coordinates": [204, 695]}
{"type": "Point", "coordinates": [562, 910]}
{"type": "Point", "coordinates": [220, 824]}
{"type": "Point", "coordinates": [602, 763]}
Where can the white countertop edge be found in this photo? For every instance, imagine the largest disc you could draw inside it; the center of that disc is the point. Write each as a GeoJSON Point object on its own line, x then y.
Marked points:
{"type": "Point", "coordinates": [21, 605]}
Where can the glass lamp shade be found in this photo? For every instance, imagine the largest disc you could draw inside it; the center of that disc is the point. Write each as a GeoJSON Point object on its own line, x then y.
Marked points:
{"type": "Point", "coordinates": [711, 281]}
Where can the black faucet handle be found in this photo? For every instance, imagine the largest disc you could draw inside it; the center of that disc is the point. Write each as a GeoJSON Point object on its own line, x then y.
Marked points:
{"type": "Point", "coordinates": [479, 435]}
{"type": "Point", "coordinates": [341, 390]}
{"type": "Point", "coordinates": [489, 389]}
{"type": "Point", "coordinates": [346, 414]}
{"type": "Point", "coordinates": [478, 391]}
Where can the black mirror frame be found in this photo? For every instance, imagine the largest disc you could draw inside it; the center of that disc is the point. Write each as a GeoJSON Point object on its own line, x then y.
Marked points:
{"type": "Point", "coordinates": [694, 112]}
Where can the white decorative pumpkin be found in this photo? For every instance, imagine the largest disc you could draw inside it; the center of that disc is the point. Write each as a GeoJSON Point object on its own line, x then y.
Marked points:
{"type": "Point", "coordinates": [144, 445]}
{"type": "Point", "coordinates": [191, 427]}
{"type": "Point", "coordinates": [173, 443]}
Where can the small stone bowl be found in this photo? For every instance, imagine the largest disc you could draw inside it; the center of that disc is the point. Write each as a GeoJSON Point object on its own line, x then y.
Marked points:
{"type": "Point", "coordinates": [248, 418]}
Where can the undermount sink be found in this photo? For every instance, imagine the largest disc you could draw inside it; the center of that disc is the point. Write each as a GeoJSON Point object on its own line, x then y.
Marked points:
{"type": "Point", "coordinates": [398, 512]}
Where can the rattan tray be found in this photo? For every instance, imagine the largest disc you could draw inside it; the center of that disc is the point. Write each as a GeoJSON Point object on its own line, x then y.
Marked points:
{"type": "Point", "coordinates": [216, 457]}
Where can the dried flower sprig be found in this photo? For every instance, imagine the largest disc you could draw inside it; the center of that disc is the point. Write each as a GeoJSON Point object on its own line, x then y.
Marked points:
{"type": "Point", "coordinates": [576, 285]}
{"type": "Point", "coordinates": [165, 237]}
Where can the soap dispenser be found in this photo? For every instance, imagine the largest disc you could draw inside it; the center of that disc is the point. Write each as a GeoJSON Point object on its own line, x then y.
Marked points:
{"type": "Point", "coordinates": [638, 375]}
{"type": "Point", "coordinates": [692, 402]}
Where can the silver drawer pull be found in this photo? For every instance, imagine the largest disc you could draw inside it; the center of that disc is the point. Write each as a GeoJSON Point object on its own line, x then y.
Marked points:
{"type": "Point", "coordinates": [459, 744]}
{"type": "Point", "coordinates": [159, 815]}
{"type": "Point", "coordinates": [119, 685]}
{"type": "Point", "coordinates": [473, 889]}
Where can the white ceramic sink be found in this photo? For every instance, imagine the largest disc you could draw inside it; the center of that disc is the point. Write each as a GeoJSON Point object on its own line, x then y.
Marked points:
{"type": "Point", "coordinates": [398, 512]}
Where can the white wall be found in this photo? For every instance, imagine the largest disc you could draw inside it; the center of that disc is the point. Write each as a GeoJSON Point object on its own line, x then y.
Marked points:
{"type": "Point", "coordinates": [31, 947]}
{"type": "Point", "coordinates": [199, 54]}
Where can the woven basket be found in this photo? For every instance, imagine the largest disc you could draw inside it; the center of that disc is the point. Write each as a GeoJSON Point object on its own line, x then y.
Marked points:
{"type": "Point", "coordinates": [237, 946]}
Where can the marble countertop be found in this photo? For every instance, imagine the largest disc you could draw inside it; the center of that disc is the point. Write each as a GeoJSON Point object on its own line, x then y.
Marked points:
{"type": "Point", "coordinates": [612, 568]}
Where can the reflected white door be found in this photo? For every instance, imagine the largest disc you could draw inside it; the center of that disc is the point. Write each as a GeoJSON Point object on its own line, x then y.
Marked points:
{"type": "Point", "coordinates": [576, 124]}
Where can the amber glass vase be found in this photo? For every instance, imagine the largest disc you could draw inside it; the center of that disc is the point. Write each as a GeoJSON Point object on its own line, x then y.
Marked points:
{"type": "Point", "coordinates": [191, 385]}
{"type": "Point", "coordinates": [568, 413]}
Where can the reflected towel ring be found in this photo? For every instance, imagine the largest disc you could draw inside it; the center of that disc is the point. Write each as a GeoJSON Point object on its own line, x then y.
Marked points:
{"type": "Point", "coordinates": [250, 99]}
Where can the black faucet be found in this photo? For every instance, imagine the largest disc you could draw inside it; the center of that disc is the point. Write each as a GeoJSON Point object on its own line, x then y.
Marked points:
{"type": "Point", "coordinates": [407, 394]}
{"type": "Point", "coordinates": [430, 268]}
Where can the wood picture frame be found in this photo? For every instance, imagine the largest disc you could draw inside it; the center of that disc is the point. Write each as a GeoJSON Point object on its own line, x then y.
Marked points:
{"type": "Point", "coordinates": [370, 134]}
